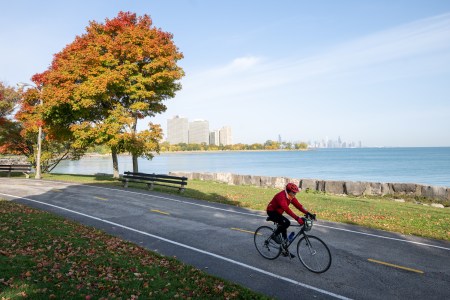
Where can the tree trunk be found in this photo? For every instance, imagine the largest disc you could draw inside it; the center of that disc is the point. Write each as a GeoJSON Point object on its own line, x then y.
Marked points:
{"type": "Point", "coordinates": [135, 163]}
{"type": "Point", "coordinates": [115, 163]}
{"type": "Point", "coordinates": [134, 156]}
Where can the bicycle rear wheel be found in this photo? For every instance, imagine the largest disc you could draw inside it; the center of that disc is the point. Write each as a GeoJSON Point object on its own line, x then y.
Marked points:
{"type": "Point", "coordinates": [314, 254]}
{"type": "Point", "coordinates": [264, 243]}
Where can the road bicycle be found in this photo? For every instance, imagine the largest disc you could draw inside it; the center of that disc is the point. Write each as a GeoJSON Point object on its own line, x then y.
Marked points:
{"type": "Point", "coordinates": [313, 253]}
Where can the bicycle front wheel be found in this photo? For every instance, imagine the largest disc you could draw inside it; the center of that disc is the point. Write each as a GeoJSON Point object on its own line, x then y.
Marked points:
{"type": "Point", "coordinates": [265, 244]}
{"type": "Point", "coordinates": [314, 254]}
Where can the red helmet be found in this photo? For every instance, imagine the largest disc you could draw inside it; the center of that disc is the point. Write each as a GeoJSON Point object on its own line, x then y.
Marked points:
{"type": "Point", "coordinates": [292, 187]}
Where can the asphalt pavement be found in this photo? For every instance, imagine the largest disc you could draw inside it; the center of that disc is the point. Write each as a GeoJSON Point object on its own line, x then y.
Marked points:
{"type": "Point", "coordinates": [218, 239]}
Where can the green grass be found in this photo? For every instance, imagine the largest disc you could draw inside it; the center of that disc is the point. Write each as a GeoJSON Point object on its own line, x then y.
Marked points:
{"type": "Point", "coordinates": [373, 212]}
{"type": "Point", "coordinates": [47, 257]}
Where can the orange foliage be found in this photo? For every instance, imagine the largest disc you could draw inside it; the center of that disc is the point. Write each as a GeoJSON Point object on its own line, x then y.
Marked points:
{"type": "Point", "coordinates": [117, 72]}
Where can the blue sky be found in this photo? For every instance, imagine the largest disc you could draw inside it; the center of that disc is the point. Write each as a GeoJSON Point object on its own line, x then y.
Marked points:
{"type": "Point", "coordinates": [370, 71]}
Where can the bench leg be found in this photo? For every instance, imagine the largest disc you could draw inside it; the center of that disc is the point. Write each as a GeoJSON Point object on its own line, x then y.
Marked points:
{"type": "Point", "coordinates": [150, 186]}
{"type": "Point", "coordinates": [181, 190]}
{"type": "Point", "coordinates": [125, 184]}
{"type": "Point", "coordinates": [27, 175]}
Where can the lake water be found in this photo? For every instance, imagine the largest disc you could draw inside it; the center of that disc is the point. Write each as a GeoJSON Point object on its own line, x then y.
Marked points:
{"type": "Point", "coordinates": [406, 165]}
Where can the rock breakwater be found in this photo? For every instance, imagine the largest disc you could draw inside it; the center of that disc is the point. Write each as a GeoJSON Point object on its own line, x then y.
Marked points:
{"type": "Point", "coordinates": [354, 188]}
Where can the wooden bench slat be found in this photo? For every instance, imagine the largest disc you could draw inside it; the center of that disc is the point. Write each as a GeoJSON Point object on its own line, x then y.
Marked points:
{"type": "Point", "coordinates": [154, 175]}
{"type": "Point", "coordinates": [155, 179]}
{"type": "Point", "coordinates": [23, 168]}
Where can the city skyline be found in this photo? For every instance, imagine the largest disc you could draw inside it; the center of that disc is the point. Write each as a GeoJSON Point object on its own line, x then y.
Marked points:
{"type": "Point", "coordinates": [372, 71]}
{"type": "Point", "coordinates": [181, 130]}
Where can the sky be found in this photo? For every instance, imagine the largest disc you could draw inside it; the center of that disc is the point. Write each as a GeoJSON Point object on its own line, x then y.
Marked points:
{"type": "Point", "coordinates": [371, 71]}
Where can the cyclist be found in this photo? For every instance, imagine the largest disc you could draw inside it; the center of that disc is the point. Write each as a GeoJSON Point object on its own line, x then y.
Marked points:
{"type": "Point", "coordinates": [280, 204]}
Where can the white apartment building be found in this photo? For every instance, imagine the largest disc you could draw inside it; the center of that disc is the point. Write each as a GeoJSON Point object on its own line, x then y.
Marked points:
{"type": "Point", "coordinates": [199, 132]}
{"type": "Point", "coordinates": [225, 137]}
{"type": "Point", "coordinates": [177, 130]}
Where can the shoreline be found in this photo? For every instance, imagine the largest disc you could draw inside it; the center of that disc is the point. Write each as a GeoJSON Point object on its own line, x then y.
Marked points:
{"type": "Point", "coordinates": [335, 187]}
{"type": "Point", "coordinates": [427, 167]}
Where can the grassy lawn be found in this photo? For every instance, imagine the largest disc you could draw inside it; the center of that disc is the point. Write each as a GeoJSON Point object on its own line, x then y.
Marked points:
{"type": "Point", "coordinates": [374, 212]}
{"type": "Point", "coordinates": [46, 257]}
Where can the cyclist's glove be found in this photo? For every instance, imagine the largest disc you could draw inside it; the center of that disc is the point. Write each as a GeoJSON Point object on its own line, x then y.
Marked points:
{"type": "Point", "coordinates": [301, 220]}
{"type": "Point", "coordinates": [311, 216]}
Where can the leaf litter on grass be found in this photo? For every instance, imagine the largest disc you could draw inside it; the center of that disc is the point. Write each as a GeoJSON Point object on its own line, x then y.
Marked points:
{"type": "Point", "coordinates": [46, 257]}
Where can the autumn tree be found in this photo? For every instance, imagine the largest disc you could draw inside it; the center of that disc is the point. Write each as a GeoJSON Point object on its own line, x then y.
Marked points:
{"type": "Point", "coordinates": [57, 142]}
{"type": "Point", "coordinates": [9, 98]}
{"type": "Point", "coordinates": [11, 141]}
{"type": "Point", "coordinates": [107, 79]}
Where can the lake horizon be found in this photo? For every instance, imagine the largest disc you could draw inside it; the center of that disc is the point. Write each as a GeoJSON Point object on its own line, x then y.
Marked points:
{"type": "Point", "coordinates": [421, 165]}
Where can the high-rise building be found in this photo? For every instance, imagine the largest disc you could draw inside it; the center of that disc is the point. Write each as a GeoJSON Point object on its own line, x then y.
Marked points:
{"type": "Point", "coordinates": [199, 132]}
{"type": "Point", "coordinates": [177, 130]}
{"type": "Point", "coordinates": [225, 136]}
{"type": "Point", "coordinates": [214, 138]}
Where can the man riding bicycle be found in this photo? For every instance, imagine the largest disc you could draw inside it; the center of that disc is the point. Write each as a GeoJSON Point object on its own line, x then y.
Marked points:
{"type": "Point", "coordinates": [280, 204]}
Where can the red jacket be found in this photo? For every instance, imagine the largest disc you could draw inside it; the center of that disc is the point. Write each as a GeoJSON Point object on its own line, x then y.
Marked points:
{"type": "Point", "coordinates": [280, 203]}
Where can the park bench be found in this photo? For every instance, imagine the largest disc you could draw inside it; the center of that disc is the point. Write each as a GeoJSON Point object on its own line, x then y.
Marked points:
{"type": "Point", "coordinates": [155, 179]}
{"type": "Point", "coordinates": [25, 169]}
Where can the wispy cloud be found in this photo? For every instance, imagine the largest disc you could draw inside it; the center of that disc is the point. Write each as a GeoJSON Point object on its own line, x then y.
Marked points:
{"type": "Point", "coordinates": [237, 66]}
{"type": "Point", "coordinates": [414, 49]}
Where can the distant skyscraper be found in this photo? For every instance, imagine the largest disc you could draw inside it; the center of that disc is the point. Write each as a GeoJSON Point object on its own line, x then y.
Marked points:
{"type": "Point", "coordinates": [214, 138]}
{"type": "Point", "coordinates": [177, 130]}
{"type": "Point", "coordinates": [199, 132]}
{"type": "Point", "coordinates": [225, 137]}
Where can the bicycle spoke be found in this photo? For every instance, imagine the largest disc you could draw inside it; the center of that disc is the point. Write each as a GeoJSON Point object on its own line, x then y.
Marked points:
{"type": "Point", "coordinates": [314, 254]}
{"type": "Point", "coordinates": [265, 243]}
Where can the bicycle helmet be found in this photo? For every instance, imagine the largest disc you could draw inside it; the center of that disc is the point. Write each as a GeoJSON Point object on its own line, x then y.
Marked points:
{"type": "Point", "coordinates": [292, 188]}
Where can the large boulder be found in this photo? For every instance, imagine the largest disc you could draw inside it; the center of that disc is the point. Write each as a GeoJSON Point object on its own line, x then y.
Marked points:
{"type": "Point", "coordinates": [242, 179]}
{"type": "Point", "coordinates": [334, 187]}
{"type": "Point", "coordinates": [225, 177]}
{"type": "Point", "coordinates": [265, 181]}
{"type": "Point", "coordinates": [355, 188]}
{"type": "Point", "coordinates": [374, 188]}
{"type": "Point", "coordinates": [320, 185]}
{"type": "Point", "coordinates": [208, 176]}
{"type": "Point", "coordinates": [255, 180]}
{"type": "Point", "coordinates": [435, 192]}
{"type": "Point", "coordinates": [308, 184]}
{"type": "Point", "coordinates": [406, 189]}
{"type": "Point", "coordinates": [386, 189]}
{"type": "Point", "coordinates": [279, 182]}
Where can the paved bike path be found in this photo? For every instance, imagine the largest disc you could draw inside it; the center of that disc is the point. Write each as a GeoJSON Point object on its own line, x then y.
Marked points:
{"type": "Point", "coordinates": [218, 239]}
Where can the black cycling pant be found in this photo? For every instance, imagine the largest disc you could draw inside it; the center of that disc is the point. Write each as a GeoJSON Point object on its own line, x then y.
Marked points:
{"type": "Point", "coordinates": [283, 223]}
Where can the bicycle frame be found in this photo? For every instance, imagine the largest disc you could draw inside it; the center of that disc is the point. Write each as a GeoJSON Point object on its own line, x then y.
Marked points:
{"type": "Point", "coordinates": [300, 232]}
{"type": "Point", "coordinates": [312, 252]}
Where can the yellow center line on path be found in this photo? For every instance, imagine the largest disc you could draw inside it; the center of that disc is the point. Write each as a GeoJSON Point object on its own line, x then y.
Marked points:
{"type": "Point", "coordinates": [56, 190]}
{"type": "Point", "coordinates": [100, 198]}
{"type": "Point", "coordinates": [394, 266]}
{"type": "Point", "coordinates": [242, 230]}
{"type": "Point", "coordinates": [159, 212]}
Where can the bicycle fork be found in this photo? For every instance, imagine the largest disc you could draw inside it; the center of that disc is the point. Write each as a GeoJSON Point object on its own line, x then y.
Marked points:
{"type": "Point", "coordinates": [308, 243]}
